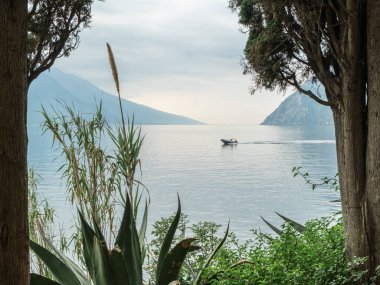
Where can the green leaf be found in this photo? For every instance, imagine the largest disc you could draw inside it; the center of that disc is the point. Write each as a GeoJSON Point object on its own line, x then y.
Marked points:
{"type": "Point", "coordinates": [128, 242]}
{"type": "Point", "coordinates": [268, 237]}
{"type": "Point", "coordinates": [173, 261]}
{"type": "Point", "coordinates": [102, 265]}
{"type": "Point", "coordinates": [276, 230]}
{"type": "Point", "coordinates": [119, 272]}
{"type": "Point", "coordinates": [88, 236]}
{"type": "Point", "coordinates": [142, 232]}
{"type": "Point", "coordinates": [168, 240]}
{"type": "Point", "coordinates": [36, 279]}
{"type": "Point", "coordinates": [143, 225]}
{"type": "Point", "coordinates": [197, 280]}
{"type": "Point", "coordinates": [58, 268]}
{"type": "Point", "coordinates": [298, 227]}
{"type": "Point", "coordinates": [97, 230]}
{"type": "Point", "coordinates": [73, 267]}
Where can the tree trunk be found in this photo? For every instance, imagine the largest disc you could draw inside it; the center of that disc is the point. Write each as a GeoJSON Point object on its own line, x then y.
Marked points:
{"type": "Point", "coordinates": [14, 241]}
{"type": "Point", "coordinates": [350, 135]}
{"type": "Point", "coordinates": [373, 148]}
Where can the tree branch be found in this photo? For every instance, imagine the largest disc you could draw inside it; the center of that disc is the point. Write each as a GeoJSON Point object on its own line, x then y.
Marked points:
{"type": "Point", "coordinates": [309, 93]}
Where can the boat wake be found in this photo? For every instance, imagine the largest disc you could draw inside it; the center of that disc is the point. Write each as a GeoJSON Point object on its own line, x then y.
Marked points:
{"type": "Point", "coordinates": [292, 142]}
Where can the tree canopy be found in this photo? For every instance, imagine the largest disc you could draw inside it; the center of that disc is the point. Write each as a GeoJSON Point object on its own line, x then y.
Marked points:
{"type": "Point", "coordinates": [53, 31]}
{"type": "Point", "coordinates": [290, 41]}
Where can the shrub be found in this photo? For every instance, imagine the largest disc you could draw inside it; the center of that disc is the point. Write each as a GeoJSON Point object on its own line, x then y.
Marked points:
{"type": "Point", "coordinates": [315, 256]}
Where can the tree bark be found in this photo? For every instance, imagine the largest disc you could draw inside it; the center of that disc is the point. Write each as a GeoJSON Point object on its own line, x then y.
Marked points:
{"type": "Point", "coordinates": [350, 118]}
{"type": "Point", "coordinates": [373, 148]}
{"type": "Point", "coordinates": [350, 130]}
{"type": "Point", "coordinates": [14, 241]}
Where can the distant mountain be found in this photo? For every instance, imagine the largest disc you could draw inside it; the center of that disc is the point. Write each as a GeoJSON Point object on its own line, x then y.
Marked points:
{"type": "Point", "coordinates": [299, 109]}
{"type": "Point", "coordinates": [83, 95]}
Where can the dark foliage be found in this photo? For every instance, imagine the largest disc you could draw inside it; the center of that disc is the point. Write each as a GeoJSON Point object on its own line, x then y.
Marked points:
{"type": "Point", "coordinates": [290, 41]}
{"type": "Point", "coordinates": [53, 31]}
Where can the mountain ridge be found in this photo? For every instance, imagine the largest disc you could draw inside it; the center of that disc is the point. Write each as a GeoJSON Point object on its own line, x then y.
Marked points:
{"type": "Point", "coordinates": [84, 96]}
{"type": "Point", "coordinates": [300, 109]}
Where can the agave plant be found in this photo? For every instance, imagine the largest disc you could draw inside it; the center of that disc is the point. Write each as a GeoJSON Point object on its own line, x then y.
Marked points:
{"type": "Point", "coordinates": [121, 265]}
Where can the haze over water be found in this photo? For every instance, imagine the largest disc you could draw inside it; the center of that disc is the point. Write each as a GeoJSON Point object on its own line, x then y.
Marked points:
{"type": "Point", "coordinates": [215, 182]}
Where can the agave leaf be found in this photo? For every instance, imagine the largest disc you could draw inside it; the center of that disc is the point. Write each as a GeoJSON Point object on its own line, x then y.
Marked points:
{"type": "Point", "coordinates": [173, 261]}
{"type": "Point", "coordinates": [211, 257]}
{"type": "Point", "coordinates": [142, 232]}
{"type": "Point", "coordinates": [88, 236]}
{"type": "Point", "coordinates": [73, 267]}
{"type": "Point", "coordinates": [168, 240]}
{"type": "Point", "coordinates": [276, 230]}
{"type": "Point", "coordinates": [119, 272]}
{"type": "Point", "coordinates": [128, 242]}
{"type": "Point", "coordinates": [58, 268]}
{"type": "Point", "coordinates": [298, 227]}
{"type": "Point", "coordinates": [36, 279]}
{"type": "Point", "coordinates": [98, 231]}
{"type": "Point", "coordinates": [102, 265]}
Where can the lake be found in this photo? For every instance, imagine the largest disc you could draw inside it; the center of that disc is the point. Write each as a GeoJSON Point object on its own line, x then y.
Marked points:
{"type": "Point", "coordinates": [219, 183]}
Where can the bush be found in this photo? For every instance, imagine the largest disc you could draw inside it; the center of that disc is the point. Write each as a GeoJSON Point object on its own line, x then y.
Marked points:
{"type": "Point", "coordinates": [315, 256]}
{"type": "Point", "coordinates": [209, 236]}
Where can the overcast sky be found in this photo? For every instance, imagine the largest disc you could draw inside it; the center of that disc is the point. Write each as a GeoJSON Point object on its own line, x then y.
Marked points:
{"type": "Point", "coordinates": [178, 56]}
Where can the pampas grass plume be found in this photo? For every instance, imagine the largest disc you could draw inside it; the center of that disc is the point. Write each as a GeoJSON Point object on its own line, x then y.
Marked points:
{"type": "Point", "coordinates": [113, 68]}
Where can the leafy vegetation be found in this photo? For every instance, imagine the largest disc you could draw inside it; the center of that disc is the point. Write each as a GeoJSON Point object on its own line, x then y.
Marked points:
{"type": "Point", "coordinates": [315, 256]}
{"type": "Point", "coordinates": [331, 182]}
{"type": "Point", "coordinates": [298, 254]}
{"type": "Point", "coordinates": [54, 31]}
{"type": "Point", "coordinates": [209, 240]}
{"type": "Point", "coordinates": [120, 265]}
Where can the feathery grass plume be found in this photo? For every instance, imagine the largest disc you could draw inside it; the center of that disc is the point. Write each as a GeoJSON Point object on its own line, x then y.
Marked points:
{"type": "Point", "coordinates": [115, 75]}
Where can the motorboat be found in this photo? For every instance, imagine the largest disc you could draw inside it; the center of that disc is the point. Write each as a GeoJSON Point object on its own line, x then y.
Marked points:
{"type": "Point", "coordinates": [230, 141]}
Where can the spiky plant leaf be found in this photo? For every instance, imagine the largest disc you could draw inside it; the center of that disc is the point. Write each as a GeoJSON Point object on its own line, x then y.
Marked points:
{"type": "Point", "coordinates": [36, 279]}
{"type": "Point", "coordinates": [58, 268]}
{"type": "Point", "coordinates": [173, 261]}
{"type": "Point", "coordinates": [97, 230]}
{"type": "Point", "coordinates": [73, 267]}
{"type": "Point", "coordinates": [298, 227]}
{"type": "Point", "coordinates": [197, 280]}
{"type": "Point", "coordinates": [276, 230]}
{"type": "Point", "coordinates": [119, 271]}
{"type": "Point", "coordinates": [142, 232]}
{"type": "Point", "coordinates": [168, 240]}
{"type": "Point", "coordinates": [128, 242]}
{"type": "Point", "coordinates": [88, 236]}
{"type": "Point", "coordinates": [102, 265]}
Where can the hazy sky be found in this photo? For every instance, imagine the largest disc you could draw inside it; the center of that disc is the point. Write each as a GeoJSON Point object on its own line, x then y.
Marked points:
{"type": "Point", "coordinates": [178, 56]}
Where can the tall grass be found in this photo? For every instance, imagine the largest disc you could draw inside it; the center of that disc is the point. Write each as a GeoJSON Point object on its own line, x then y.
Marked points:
{"type": "Point", "coordinates": [100, 161]}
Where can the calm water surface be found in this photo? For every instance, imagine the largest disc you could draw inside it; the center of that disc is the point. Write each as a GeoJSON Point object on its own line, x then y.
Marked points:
{"type": "Point", "coordinates": [215, 182]}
